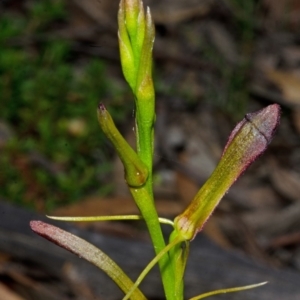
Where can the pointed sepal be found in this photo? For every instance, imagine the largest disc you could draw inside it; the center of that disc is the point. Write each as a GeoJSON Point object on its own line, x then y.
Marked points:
{"type": "Point", "coordinates": [136, 172]}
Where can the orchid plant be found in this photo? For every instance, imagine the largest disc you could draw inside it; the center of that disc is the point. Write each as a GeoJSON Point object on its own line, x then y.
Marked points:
{"type": "Point", "coordinates": [248, 140]}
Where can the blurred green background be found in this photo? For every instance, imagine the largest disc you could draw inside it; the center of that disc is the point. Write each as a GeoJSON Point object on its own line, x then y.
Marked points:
{"type": "Point", "coordinates": [52, 151]}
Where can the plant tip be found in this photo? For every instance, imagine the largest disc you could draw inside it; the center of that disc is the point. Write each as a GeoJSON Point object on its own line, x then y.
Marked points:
{"type": "Point", "coordinates": [101, 106]}
{"type": "Point", "coordinates": [34, 224]}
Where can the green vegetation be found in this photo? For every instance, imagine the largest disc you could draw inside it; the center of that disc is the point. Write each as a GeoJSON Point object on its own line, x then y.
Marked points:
{"type": "Point", "coordinates": [57, 154]}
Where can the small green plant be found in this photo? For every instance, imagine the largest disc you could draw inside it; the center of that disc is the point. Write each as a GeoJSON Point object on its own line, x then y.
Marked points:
{"type": "Point", "coordinates": [248, 140]}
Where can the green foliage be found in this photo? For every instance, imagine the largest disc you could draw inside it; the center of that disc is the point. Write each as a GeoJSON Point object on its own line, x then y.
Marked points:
{"type": "Point", "coordinates": [48, 100]}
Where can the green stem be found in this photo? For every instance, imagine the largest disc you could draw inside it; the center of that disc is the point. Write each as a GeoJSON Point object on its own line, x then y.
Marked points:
{"type": "Point", "coordinates": [178, 255]}
{"type": "Point", "coordinates": [147, 208]}
{"type": "Point", "coordinates": [152, 263]}
{"type": "Point", "coordinates": [145, 148]}
{"type": "Point", "coordinates": [144, 198]}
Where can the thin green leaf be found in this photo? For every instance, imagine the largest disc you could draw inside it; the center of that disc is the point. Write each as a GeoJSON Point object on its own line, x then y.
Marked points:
{"type": "Point", "coordinates": [229, 290]}
{"type": "Point", "coordinates": [108, 218]}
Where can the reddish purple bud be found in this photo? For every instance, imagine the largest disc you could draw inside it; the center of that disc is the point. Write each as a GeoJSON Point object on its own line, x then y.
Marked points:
{"type": "Point", "coordinates": [247, 142]}
{"type": "Point", "coordinates": [259, 126]}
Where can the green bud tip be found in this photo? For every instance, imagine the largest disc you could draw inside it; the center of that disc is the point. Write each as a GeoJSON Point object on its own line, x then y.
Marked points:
{"type": "Point", "coordinates": [136, 172]}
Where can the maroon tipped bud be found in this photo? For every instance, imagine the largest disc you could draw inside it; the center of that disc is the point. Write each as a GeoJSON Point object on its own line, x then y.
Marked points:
{"type": "Point", "coordinates": [246, 143]}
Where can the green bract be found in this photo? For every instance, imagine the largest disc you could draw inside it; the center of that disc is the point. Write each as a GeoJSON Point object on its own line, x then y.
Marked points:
{"type": "Point", "coordinates": [136, 172]}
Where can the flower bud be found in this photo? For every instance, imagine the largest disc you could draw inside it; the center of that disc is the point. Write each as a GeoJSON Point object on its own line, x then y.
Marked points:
{"type": "Point", "coordinates": [144, 86]}
{"type": "Point", "coordinates": [126, 52]}
{"type": "Point", "coordinates": [247, 142]}
{"type": "Point", "coordinates": [136, 172]}
{"type": "Point", "coordinates": [132, 26]}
